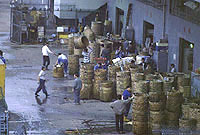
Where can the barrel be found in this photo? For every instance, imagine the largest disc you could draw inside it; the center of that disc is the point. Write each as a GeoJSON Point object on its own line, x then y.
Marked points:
{"type": "Point", "coordinates": [81, 42]}
{"type": "Point", "coordinates": [73, 64]}
{"type": "Point", "coordinates": [106, 92]}
{"type": "Point", "coordinates": [89, 34]}
{"type": "Point", "coordinates": [122, 81]}
{"type": "Point", "coordinates": [58, 72]}
{"type": "Point", "coordinates": [97, 28]}
{"type": "Point", "coordinates": [78, 52]}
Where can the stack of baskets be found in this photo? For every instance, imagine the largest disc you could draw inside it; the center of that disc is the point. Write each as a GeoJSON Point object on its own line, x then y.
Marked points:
{"type": "Point", "coordinates": [73, 64]}
{"type": "Point", "coordinates": [137, 78]}
{"type": "Point", "coordinates": [86, 75]}
{"type": "Point", "coordinates": [183, 84]}
{"type": "Point", "coordinates": [188, 121]}
{"type": "Point", "coordinates": [112, 77]}
{"type": "Point", "coordinates": [140, 115]}
{"type": "Point", "coordinates": [100, 75]}
{"type": "Point", "coordinates": [123, 80]}
{"type": "Point", "coordinates": [157, 102]}
{"type": "Point", "coordinates": [173, 108]}
{"type": "Point", "coordinates": [71, 46]}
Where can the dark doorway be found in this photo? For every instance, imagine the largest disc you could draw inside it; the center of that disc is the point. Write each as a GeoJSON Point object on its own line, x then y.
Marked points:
{"type": "Point", "coordinates": [148, 33]}
{"type": "Point", "coordinates": [185, 56]}
{"type": "Point", "coordinates": [119, 20]}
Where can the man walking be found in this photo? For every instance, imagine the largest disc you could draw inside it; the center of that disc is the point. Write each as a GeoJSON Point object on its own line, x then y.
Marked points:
{"type": "Point", "coordinates": [62, 59]}
{"type": "Point", "coordinates": [41, 79]}
{"type": "Point", "coordinates": [77, 89]}
{"type": "Point", "coordinates": [126, 94]}
{"type": "Point", "coordinates": [45, 53]}
{"type": "Point", "coordinates": [119, 107]}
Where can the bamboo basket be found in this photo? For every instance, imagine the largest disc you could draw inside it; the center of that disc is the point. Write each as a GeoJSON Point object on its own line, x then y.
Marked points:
{"type": "Point", "coordinates": [86, 91]}
{"type": "Point", "coordinates": [122, 81]}
{"type": "Point", "coordinates": [186, 90]}
{"type": "Point", "coordinates": [151, 77]}
{"type": "Point", "coordinates": [172, 116]}
{"type": "Point", "coordinates": [140, 87]}
{"type": "Point", "coordinates": [157, 96]}
{"type": "Point", "coordinates": [187, 124]}
{"type": "Point", "coordinates": [156, 85]}
{"type": "Point", "coordinates": [157, 117]}
{"type": "Point", "coordinates": [167, 86]}
{"type": "Point", "coordinates": [137, 77]}
{"type": "Point", "coordinates": [186, 111]}
{"type": "Point", "coordinates": [157, 106]}
{"type": "Point", "coordinates": [73, 65]}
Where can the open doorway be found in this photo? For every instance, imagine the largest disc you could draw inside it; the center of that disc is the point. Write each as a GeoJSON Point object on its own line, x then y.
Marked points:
{"type": "Point", "coordinates": [185, 56]}
{"type": "Point", "coordinates": [119, 20]}
{"type": "Point", "coordinates": [148, 33]}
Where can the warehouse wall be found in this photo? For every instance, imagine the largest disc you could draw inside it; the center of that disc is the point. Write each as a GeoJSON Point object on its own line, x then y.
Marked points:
{"type": "Point", "coordinates": [64, 5]}
{"type": "Point", "coordinates": [175, 27]}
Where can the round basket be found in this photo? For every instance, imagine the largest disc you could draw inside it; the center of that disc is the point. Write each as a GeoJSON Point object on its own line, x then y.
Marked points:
{"type": "Point", "coordinates": [157, 117]}
{"type": "Point", "coordinates": [156, 85]}
{"type": "Point", "coordinates": [157, 106]}
{"type": "Point", "coordinates": [151, 77]}
{"type": "Point", "coordinates": [141, 87]}
{"type": "Point", "coordinates": [157, 96]}
{"type": "Point", "coordinates": [137, 77]}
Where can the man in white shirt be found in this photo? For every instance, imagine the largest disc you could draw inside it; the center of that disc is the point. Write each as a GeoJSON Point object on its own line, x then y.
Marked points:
{"type": "Point", "coordinates": [45, 53]}
{"type": "Point", "coordinates": [62, 59]}
{"type": "Point", "coordinates": [42, 79]}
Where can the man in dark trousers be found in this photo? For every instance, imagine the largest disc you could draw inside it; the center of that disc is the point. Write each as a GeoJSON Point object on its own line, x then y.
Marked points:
{"type": "Point", "coordinates": [42, 79]}
{"type": "Point", "coordinates": [119, 107]}
{"type": "Point", "coordinates": [127, 94]}
{"type": "Point", "coordinates": [77, 89]}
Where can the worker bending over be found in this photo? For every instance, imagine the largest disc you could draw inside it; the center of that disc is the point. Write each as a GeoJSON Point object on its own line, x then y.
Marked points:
{"type": "Point", "coordinates": [62, 60]}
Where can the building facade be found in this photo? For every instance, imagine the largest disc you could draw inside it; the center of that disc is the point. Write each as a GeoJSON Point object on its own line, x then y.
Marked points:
{"type": "Point", "coordinates": [174, 20]}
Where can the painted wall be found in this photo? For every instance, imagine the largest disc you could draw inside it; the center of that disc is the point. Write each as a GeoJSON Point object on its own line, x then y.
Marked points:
{"type": "Point", "coordinates": [64, 5]}
{"type": "Point", "coordinates": [175, 27]}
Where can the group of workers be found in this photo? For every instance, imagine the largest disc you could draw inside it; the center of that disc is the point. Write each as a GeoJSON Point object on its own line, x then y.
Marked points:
{"type": "Point", "coordinates": [63, 61]}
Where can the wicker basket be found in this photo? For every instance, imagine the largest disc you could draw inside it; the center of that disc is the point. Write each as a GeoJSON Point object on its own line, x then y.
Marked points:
{"type": "Point", "coordinates": [157, 106]}
{"type": "Point", "coordinates": [157, 117]}
{"type": "Point", "coordinates": [157, 96]}
{"type": "Point", "coordinates": [137, 77]}
{"type": "Point", "coordinates": [151, 77]}
{"type": "Point", "coordinates": [156, 85]}
{"type": "Point", "coordinates": [86, 91]}
{"type": "Point", "coordinates": [140, 87]}
{"type": "Point", "coordinates": [187, 124]}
